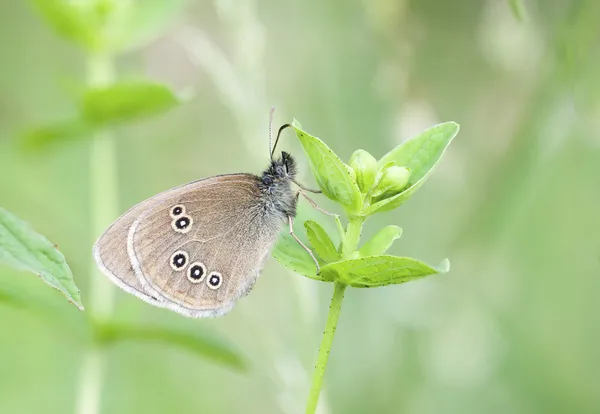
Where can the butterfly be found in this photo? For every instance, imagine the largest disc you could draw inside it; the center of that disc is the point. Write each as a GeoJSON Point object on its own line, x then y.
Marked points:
{"type": "Point", "coordinates": [196, 249]}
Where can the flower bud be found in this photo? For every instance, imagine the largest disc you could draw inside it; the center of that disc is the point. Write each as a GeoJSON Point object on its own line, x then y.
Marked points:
{"type": "Point", "coordinates": [365, 167]}
{"type": "Point", "coordinates": [393, 180]}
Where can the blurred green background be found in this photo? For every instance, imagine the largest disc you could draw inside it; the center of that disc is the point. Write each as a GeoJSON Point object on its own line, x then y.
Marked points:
{"type": "Point", "coordinates": [513, 328]}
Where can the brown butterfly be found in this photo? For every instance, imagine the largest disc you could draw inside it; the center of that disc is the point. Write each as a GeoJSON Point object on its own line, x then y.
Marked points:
{"type": "Point", "coordinates": [196, 249]}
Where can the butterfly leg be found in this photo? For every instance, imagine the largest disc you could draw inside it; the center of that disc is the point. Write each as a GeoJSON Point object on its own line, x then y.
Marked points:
{"type": "Point", "coordinates": [310, 190]}
{"type": "Point", "coordinates": [291, 222]}
{"type": "Point", "coordinates": [338, 222]}
{"type": "Point", "coordinates": [315, 205]}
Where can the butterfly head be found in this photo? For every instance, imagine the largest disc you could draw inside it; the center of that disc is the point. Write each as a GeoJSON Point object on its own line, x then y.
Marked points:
{"type": "Point", "coordinates": [281, 170]}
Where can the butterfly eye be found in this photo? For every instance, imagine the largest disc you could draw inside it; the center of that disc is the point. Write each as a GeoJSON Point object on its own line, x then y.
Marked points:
{"type": "Point", "coordinates": [178, 260]}
{"type": "Point", "coordinates": [177, 210]}
{"type": "Point", "coordinates": [196, 272]}
{"type": "Point", "coordinates": [215, 280]}
{"type": "Point", "coordinates": [182, 224]}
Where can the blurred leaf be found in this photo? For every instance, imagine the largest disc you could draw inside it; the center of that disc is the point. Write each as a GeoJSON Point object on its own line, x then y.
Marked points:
{"type": "Point", "coordinates": [518, 9]}
{"type": "Point", "coordinates": [23, 249]}
{"type": "Point", "coordinates": [139, 22]}
{"type": "Point", "coordinates": [332, 175]}
{"type": "Point", "coordinates": [320, 242]}
{"type": "Point", "coordinates": [75, 21]}
{"type": "Point", "coordinates": [44, 135]}
{"type": "Point", "coordinates": [203, 344]}
{"type": "Point", "coordinates": [421, 154]}
{"type": "Point", "coordinates": [290, 254]}
{"type": "Point", "coordinates": [12, 298]}
{"type": "Point", "coordinates": [375, 271]}
{"type": "Point", "coordinates": [381, 241]}
{"type": "Point", "coordinates": [126, 101]}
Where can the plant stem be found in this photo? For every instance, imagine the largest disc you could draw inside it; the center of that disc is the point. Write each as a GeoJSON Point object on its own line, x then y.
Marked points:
{"type": "Point", "coordinates": [349, 245]}
{"type": "Point", "coordinates": [330, 327]}
{"type": "Point", "coordinates": [103, 205]}
{"type": "Point", "coordinates": [352, 238]}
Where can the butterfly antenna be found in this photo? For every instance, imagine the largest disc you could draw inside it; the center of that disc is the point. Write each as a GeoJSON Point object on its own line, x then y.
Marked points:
{"type": "Point", "coordinates": [271, 112]}
{"type": "Point", "coordinates": [277, 139]}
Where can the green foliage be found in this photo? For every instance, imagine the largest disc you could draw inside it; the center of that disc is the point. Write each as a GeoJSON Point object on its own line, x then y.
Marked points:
{"type": "Point", "coordinates": [332, 175]}
{"type": "Point", "coordinates": [365, 169]}
{"type": "Point", "coordinates": [290, 254]}
{"type": "Point", "coordinates": [126, 101]}
{"type": "Point", "coordinates": [23, 249]}
{"type": "Point", "coordinates": [362, 188]}
{"type": "Point", "coordinates": [202, 343]}
{"type": "Point", "coordinates": [103, 28]}
{"type": "Point", "coordinates": [384, 185]}
{"type": "Point", "coordinates": [320, 241]}
{"type": "Point", "coordinates": [59, 131]}
{"type": "Point", "coordinates": [393, 180]}
{"type": "Point", "coordinates": [108, 25]}
{"type": "Point", "coordinates": [75, 21]}
{"type": "Point", "coordinates": [420, 154]}
{"type": "Point", "coordinates": [375, 271]}
{"type": "Point", "coordinates": [381, 241]}
{"type": "Point", "coordinates": [518, 9]}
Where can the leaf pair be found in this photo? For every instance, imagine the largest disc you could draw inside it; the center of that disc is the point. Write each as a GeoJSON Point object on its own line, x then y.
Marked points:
{"type": "Point", "coordinates": [369, 268]}
{"type": "Point", "coordinates": [108, 25]}
{"type": "Point", "coordinates": [338, 182]}
{"type": "Point", "coordinates": [102, 106]}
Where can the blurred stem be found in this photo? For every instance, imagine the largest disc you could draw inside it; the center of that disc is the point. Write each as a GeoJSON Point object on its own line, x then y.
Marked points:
{"type": "Point", "coordinates": [103, 205]}
{"type": "Point", "coordinates": [349, 245]}
{"type": "Point", "coordinates": [319, 372]}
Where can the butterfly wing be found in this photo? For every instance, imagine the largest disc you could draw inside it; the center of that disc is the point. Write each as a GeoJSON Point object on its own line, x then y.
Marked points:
{"type": "Point", "coordinates": [197, 248]}
{"type": "Point", "coordinates": [110, 253]}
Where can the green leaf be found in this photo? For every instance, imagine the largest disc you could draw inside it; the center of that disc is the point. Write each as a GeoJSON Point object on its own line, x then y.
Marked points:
{"type": "Point", "coordinates": [375, 271]}
{"type": "Point", "coordinates": [321, 242]}
{"type": "Point", "coordinates": [23, 249]}
{"type": "Point", "coordinates": [45, 135]}
{"type": "Point", "coordinates": [332, 175]}
{"type": "Point", "coordinates": [381, 241]}
{"type": "Point", "coordinates": [290, 254]}
{"type": "Point", "coordinates": [125, 101]}
{"type": "Point", "coordinates": [203, 344]}
{"type": "Point", "coordinates": [420, 154]}
{"type": "Point", "coordinates": [71, 20]}
{"type": "Point", "coordinates": [518, 9]}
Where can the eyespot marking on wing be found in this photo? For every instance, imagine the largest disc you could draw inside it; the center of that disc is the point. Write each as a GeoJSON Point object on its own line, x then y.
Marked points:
{"type": "Point", "coordinates": [215, 280]}
{"type": "Point", "coordinates": [196, 272]}
{"type": "Point", "coordinates": [179, 260]}
{"type": "Point", "coordinates": [182, 224]}
{"type": "Point", "coordinates": [177, 210]}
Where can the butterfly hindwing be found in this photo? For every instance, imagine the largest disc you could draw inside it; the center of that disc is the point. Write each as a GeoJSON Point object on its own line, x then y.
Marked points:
{"type": "Point", "coordinates": [202, 246]}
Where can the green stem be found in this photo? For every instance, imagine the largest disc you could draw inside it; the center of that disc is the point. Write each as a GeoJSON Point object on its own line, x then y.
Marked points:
{"type": "Point", "coordinates": [352, 238]}
{"type": "Point", "coordinates": [349, 245]}
{"type": "Point", "coordinates": [330, 327]}
{"type": "Point", "coordinates": [103, 205]}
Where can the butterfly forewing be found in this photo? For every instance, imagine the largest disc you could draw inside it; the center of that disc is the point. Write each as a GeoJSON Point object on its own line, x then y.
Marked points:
{"type": "Point", "coordinates": [202, 247]}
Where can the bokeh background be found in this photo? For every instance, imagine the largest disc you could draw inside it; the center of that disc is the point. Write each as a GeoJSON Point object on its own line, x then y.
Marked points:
{"type": "Point", "coordinates": [513, 328]}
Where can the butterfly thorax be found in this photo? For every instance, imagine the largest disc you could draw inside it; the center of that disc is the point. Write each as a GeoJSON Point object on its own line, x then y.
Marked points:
{"type": "Point", "coordinates": [276, 186]}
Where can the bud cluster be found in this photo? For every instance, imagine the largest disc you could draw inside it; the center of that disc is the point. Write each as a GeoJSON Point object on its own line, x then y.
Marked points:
{"type": "Point", "coordinates": [376, 182]}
